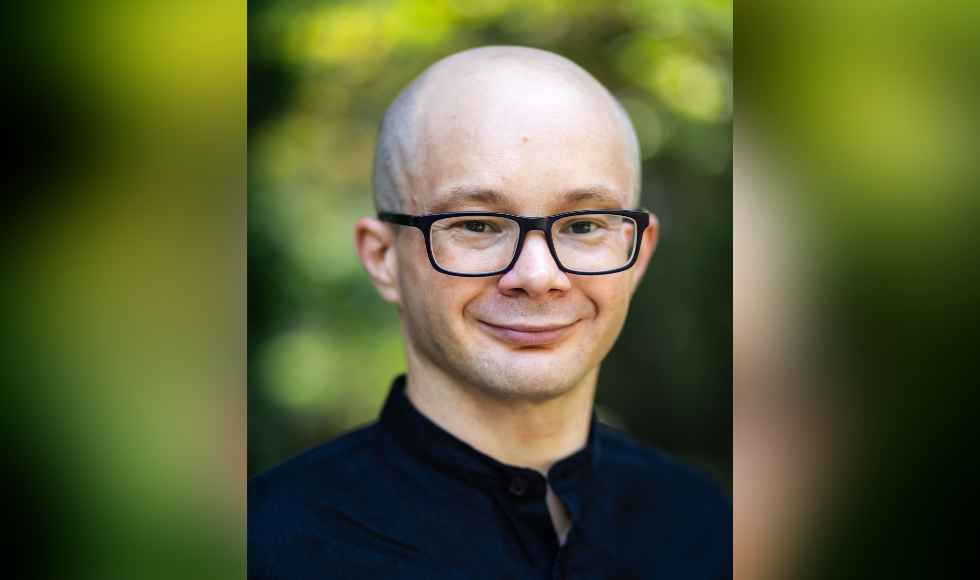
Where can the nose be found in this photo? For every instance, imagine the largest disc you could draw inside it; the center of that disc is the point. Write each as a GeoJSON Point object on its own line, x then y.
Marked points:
{"type": "Point", "coordinates": [535, 273]}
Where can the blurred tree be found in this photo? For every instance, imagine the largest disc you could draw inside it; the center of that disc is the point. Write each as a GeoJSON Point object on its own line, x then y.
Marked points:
{"type": "Point", "coordinates": [323, 346]}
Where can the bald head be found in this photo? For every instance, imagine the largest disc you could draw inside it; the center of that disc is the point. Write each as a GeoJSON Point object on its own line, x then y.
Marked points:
{"type": "Point", "coordinates": [496, 97]}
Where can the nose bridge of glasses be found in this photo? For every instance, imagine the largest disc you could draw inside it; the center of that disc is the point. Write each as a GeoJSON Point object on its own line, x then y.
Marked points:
{"type": "Point", "coordinates": [529, 225]}
{"type": "Point", "coordinates": [536, 244]}
{"type": "Point", "coordinates": [535, 223]}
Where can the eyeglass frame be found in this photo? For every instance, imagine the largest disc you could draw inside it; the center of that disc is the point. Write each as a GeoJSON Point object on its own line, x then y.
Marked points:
{"type": "Point", "coordinates": [527, 224]}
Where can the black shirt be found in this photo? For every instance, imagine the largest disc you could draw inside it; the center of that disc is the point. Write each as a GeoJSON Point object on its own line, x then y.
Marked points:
{"type": "Point", "coordinates": [403, 498]}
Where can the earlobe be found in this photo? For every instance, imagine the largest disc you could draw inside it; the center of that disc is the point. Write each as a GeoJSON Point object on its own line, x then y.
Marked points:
{"type": "Point", "coordinates": [375, 246]}
{"type": "Point", "coordinates": [647, 246]}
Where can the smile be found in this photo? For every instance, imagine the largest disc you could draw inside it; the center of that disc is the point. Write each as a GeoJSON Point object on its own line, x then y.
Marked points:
{"type": "Point", "coordinates": [529, 335]}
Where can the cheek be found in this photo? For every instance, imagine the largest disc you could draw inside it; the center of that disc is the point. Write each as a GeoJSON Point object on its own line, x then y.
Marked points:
{"type": "Point", "coordinates": [411, 259]}
{"type": "Point", "coordinates": [446, 296]}
{"type": "Point", "coordinates": [610, 294]}
{"type": "Point", "coordinates": [433, 299]}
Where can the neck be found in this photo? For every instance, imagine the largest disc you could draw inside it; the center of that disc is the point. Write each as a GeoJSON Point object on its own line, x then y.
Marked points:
{"type": "Point", "coordinates": [523, 432]}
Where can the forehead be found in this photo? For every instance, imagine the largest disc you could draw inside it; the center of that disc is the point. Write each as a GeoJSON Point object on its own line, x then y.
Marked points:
{"type": "Point", "coordinates": [534, 144]}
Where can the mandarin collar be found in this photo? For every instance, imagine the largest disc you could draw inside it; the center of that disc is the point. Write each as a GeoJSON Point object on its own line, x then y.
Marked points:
{"type": "Point", "coordinates": [436, 447]}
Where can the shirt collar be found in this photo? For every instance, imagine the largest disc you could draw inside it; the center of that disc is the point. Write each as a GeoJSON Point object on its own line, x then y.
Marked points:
{"type": "Point", "coordinates": [447, 454]}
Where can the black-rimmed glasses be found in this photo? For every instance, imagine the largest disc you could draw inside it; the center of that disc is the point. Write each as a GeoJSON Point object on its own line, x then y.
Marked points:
{"type": "Point", "coordinates": [477, 243]}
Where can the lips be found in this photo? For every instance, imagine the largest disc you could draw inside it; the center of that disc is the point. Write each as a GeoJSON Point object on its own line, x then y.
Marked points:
{"type": "Point", "coordinates": [528, 334]}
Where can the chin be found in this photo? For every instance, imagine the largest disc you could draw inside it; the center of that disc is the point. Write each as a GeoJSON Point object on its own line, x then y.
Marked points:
{"type": "Point", "coordinates": [531, 375]}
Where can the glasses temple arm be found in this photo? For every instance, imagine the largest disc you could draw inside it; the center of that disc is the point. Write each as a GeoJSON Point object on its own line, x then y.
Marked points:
{"type": "Point", "coordinates": [398, 218]}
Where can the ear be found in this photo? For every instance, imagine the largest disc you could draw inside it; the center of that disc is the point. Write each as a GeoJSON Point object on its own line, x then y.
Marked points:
{"type": "Point", "coordinates": [647, 246]}
{"type": "Point", "coordinates": [375, 243]}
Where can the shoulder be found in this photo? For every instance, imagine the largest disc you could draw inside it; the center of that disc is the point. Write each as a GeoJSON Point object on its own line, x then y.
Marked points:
{"type": "Point", "coordinates": [631, 462]}
{"type": "Point", "coordinates": [661, 488]}
{"type": "Point", "coordinates": [298, 507]}
{"type": "Point", "coordinates": [319, 474]}
{"type": "Point", "coordinates": [342, 449]}
{"type": "Point", "coordinates": [323, 511]}
{"type": "Point", "coordinates": [653, 499]}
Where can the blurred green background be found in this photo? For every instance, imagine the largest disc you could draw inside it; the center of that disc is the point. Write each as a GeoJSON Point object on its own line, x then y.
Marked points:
{"type": "Point", "coordinates": [122, 307]}
{"type": "Point", "coordinates": [323, 347]}
{"type": "Point", "coordinates": [872, 111]}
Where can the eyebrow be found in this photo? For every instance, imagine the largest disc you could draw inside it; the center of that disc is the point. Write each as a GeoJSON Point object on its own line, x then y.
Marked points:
{"type": "Point", "coordinates": [597, 193]}
{"type": "Point", "coordinates": [480, 196]}
{"type": "Point", "coordinates": [463, 196]}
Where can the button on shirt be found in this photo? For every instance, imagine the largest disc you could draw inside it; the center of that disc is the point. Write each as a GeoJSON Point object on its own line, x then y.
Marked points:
{"type": "Point", "coordinates": [403, 498]}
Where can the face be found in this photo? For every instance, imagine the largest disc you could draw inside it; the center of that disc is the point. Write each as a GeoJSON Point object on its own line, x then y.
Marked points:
{"type": "Point", "coordinates": [534, 331]}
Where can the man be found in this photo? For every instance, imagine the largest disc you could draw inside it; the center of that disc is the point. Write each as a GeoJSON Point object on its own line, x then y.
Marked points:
{"type": "Point", "coordinates": [487, 461]}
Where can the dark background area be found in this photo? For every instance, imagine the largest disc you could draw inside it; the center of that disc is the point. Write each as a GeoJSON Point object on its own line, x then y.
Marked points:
{"type": "Point", "coordinates": [323, 346]}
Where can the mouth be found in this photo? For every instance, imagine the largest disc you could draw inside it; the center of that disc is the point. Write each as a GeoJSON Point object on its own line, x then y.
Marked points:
{"type": "Point", "coordinates": [528, 334]}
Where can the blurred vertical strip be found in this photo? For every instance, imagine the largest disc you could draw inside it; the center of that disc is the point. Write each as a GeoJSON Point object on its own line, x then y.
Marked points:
{"type": "Point", "coordinates": [873, 110]}
{"type": "Point", "coordinates": [122, 339]}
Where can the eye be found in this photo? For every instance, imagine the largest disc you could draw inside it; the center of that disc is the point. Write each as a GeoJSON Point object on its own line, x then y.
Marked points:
{"type": "Point", "coordinates": [474, 226]}
{"type": "Point", "coordinates": [582, 227]}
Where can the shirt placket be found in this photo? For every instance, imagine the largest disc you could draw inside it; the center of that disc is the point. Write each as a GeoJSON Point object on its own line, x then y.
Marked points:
{"type": "Point", "coordinates": [521, 496]}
